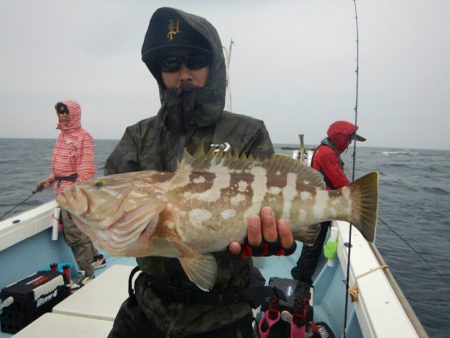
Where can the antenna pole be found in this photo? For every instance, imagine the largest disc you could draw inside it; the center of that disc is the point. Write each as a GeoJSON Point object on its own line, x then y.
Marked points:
{"type": "Point", "coordinates": [227, 64]}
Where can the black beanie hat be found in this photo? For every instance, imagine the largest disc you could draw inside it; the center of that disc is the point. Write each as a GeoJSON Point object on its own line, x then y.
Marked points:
{"type": "Point", "coordinates": [168, 29]}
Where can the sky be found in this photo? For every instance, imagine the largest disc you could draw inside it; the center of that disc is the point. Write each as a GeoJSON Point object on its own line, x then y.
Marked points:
{"type": "Point", "coordinates": [292, 65]}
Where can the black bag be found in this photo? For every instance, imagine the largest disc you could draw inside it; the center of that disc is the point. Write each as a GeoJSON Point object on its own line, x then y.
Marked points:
{"type": "Point", "coordinates": [33, 296]}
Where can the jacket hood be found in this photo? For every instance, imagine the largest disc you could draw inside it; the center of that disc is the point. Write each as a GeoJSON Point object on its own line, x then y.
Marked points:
{"type": "Point", "coordinates": [339, 133]}
{"type": "Point", "coordinates": [75, 116]}
{"type": "Point", "coordinates": [201, 106]}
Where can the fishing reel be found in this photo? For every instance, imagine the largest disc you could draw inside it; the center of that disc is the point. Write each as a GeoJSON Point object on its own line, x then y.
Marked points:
{"type": "Point", "coordinates": [292, 315]}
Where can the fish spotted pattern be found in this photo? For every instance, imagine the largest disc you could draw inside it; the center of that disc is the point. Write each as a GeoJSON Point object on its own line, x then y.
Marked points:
{"type": "Point", "coordinates": [203, 206]}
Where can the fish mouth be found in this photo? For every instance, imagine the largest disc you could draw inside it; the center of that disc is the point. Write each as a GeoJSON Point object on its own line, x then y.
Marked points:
{"type": "Point", "coordinates": [74, 200]}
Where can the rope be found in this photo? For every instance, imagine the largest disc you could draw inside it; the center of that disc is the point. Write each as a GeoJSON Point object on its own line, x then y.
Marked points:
{"type": "Point", "coordinates": [354, 290]}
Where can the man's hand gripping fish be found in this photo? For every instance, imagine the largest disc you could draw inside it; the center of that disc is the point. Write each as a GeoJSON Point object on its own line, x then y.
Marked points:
{"type": "Point", "coordinates": [203, 206]}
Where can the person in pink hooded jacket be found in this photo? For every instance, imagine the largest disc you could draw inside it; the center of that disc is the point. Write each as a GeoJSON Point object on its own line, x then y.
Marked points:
{"type": "Point", "coordinates": [73, 161]}
{"type": "Point", "coordinates": [327, 160]}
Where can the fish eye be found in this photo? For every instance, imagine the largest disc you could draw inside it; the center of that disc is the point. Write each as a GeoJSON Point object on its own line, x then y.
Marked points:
{"type": "Point", "coordinates": [99, 184]}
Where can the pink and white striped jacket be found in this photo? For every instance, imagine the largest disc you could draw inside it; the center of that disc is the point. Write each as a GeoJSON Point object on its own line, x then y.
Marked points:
{"type": "Point", "coordinates": [73, 151]}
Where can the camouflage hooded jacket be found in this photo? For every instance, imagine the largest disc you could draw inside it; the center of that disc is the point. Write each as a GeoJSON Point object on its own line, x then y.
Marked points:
{"type": "Point", "coordinates": [187, 120]}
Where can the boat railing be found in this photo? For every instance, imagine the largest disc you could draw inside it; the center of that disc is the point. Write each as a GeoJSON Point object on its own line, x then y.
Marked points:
{"type": "Point", "coordinates": [400, 295]}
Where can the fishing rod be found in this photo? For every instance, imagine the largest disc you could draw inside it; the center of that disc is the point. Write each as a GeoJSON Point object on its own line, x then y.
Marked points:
{"type": "Point", "coordinates": [444, 279]}
{"type": "Point", "coordinates": [353, 170]}
{"type": "Point", "coordinates": [26, 199]}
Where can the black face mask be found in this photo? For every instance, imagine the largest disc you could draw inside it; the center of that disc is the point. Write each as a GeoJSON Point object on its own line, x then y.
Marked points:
{"type": "Point", "coordinates": [192, 107]}
{"type": "Point", "coordinates": [181, 107]}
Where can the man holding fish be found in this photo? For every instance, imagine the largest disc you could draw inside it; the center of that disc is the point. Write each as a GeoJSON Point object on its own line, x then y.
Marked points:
{"type": "Point", "coordinates": [192, 186]}
{"type": "Point", "coordinates": [184, 54]}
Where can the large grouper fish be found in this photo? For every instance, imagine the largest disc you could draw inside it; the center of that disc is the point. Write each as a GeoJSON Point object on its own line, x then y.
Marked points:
{"type": "Point", "coordinates": [203, 206]}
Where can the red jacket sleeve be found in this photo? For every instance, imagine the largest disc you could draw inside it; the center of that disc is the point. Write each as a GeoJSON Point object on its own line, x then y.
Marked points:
{"type": "Point", "coordinates": [327, 162]}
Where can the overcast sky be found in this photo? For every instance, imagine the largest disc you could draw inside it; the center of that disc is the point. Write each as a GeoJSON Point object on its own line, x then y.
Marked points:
{"type": "Point", "coordinates": [293, 65]}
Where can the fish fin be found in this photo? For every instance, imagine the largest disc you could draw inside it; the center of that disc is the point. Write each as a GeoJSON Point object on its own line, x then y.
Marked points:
{"type": "Point", "coordinates": [212, 161]}
{"type": "Point", "coordinates": [364, 192]}
{"type": "Point", "coordinates": [307, 176]}
{"type": "Point", "coordinates": [200, 161]}
{"type": "Point", "coordinates": [307, 235]}
{"type": "Point", "coordinates": [201, 270]}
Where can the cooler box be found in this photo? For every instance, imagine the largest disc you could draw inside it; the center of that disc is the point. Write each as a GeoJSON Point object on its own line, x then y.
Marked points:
{"type": "Point", "coordinates": [33, 296]}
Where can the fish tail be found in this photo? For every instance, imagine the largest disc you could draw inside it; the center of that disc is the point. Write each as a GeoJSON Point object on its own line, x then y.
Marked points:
{"type": "Point", "coordinates": [364, 192]}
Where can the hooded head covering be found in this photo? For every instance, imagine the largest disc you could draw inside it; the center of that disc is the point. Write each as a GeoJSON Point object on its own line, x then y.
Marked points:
{"type": "Point", "coordinates": [340, 132]}
{"type": "Point", "coordinates": [168, 29]}
{"type": "Point", "coordinates": [172, 28]}
{"type": "Point", "coordinates": [75, 115]}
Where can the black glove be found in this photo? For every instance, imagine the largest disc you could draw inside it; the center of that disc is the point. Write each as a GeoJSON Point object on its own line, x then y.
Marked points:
{"type": "Point", "coordinates": [266, 249]}
{"type": "Point", "coordinates": [41, 186]}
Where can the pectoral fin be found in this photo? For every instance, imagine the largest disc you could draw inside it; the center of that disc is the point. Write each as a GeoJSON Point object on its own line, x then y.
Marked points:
{"type": "Point", "coordinates": [201, 270]}
{"type": "Point", "coordinates": [307, 235]}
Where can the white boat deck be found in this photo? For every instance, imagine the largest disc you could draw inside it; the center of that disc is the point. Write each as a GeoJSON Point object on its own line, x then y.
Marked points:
{"type": "Point", "coordinates": [56, 325]}
{"type": "Point", "coordinates": [101, 298]}
{"type": "Point", "coordinates": [90, 311]}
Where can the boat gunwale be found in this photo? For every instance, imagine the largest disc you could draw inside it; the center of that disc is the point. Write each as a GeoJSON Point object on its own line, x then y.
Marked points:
{"type": "Point", "coordinates": [400, 295]}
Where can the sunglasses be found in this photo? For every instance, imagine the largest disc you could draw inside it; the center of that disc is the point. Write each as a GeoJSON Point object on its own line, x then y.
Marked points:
{"type": "Point", "coordinates": [172, 64]}
{"type": "Point", "coordinates": [61, 108]}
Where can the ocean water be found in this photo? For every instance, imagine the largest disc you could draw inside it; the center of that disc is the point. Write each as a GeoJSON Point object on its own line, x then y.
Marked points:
{"type": "Point", "coordinates": [413, 232]}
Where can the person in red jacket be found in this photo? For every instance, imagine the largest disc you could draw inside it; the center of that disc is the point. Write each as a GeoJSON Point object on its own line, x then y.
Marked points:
{"type": "Point", "coordinates": [73, 161]}
{"type": "Point", "coordinates": [327, 160]}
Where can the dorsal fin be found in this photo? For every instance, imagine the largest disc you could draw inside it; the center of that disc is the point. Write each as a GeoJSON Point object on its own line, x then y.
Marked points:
{"type": "Point", "coordinates": [231, 161]}
{"type": "Point", "coordinates": [285, 164]}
